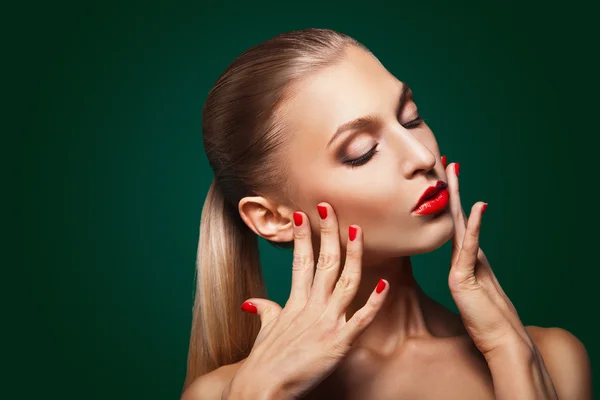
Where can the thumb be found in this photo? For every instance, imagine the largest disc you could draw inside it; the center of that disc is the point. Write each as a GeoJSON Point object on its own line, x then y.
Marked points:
{"type": "Point", "coordinates": [267, 310]}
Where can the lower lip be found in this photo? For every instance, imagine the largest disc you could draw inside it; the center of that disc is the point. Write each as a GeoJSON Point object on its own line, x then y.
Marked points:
{"type": "Point", "coordinates": [435, 204]}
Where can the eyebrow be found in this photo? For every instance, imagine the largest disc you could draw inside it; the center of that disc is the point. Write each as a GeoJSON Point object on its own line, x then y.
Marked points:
{"type": "Point", "coordinates": [368, 121]}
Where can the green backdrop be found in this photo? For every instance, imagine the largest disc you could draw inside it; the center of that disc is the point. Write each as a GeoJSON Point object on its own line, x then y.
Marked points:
{"type": "Point", "coordinates": [111, 97]}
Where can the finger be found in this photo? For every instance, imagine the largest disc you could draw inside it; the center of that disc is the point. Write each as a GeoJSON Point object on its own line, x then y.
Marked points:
{"type": "Point", "coordinates": [347, 284]}
{"type": "Point", "coordinates": [364, 316]}
{"type": "Point", "coordinates": [303, 261]}
{"type": "Point", "coordinates": [267, 310]}
{"type": "Point", "coordinates": [329, 256]}
{"type": "Point", "coordinates": [458, 214]}
{"type": "Point", "coordinates": [464, 268]}
{"type": "Point", "coordinates": [453, 187]}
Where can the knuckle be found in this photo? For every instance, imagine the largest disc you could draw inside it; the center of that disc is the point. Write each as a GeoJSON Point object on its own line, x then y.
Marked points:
{"type": "Point", "coordinates": [270, 313]}
{"type": "Point", "coordinates": [327, 227]}
{"type": "Point", "coordinates": [301, 261]}
{"type": "Point", "coordinates": [360, 319]}
{"type": "Point", "coordinates": [353, 253]}
{"type": "Point", "coordinates": [327, 261]}
{"type": "Point", "coordinates": [363, 317]}
{"type": "Point", "coordinates": [301, 234]}
{"type": "Point", "coordinates": [346, 282]}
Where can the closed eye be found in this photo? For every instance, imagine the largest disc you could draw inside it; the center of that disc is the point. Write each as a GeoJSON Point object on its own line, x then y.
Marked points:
{"type": "Point", "coordinates": [362, 159]}
{"type": "Point", "coordinates": [414, 123]}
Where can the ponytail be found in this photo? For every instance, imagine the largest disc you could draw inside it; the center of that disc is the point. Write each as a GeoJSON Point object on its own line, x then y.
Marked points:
{"type": "Point", "coordinates": [228, 272]}
{"type": "Point", "coordinates": [246, 144]}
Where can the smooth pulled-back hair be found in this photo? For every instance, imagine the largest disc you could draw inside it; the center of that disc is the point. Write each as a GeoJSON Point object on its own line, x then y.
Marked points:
{"type": "Point", "coordinates": [245, 141]}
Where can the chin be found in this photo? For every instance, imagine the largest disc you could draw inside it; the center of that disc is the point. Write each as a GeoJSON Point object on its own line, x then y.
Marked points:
{"type": "Point", "coordinates": [425, 236]}
{"type": "Point", "coordinates": [436, 234]}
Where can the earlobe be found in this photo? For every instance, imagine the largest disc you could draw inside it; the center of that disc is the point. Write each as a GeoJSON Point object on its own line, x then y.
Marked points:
{"type": "Point", "coordinates": [263, 218]}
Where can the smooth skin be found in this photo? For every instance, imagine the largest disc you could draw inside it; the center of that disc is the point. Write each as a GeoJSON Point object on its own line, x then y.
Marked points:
{"type": "Point", "coordinates": [300, 345]}
{"type": "Point", "coordinates": [336, 337]}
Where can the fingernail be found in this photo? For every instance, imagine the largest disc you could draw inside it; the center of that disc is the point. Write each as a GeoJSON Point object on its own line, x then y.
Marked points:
{"type": "Point", "coordinates": [483, 208]}
{"type": "Point", "coordinates": [297, 218]}
{"type": "Point", "coordinates": [380, 286]}
{"type": "Point", "coordinates": [249, 307]}
{"type": "Point", "coordinates": [456, 168]}
{"type": "Point", "coordinates": [444, 161]}
{"type": "Point", "coordinates": [322, 211]}
{"type": "Point", "coordinates": [352, 232]}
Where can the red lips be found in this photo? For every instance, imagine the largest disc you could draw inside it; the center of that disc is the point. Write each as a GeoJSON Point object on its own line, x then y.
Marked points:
{"type": "Point", "coordinates": [432, 191]}
{"type": "Point", "coordinates": [433, 200]}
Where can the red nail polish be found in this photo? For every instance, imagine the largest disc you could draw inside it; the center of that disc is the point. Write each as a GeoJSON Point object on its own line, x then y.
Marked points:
{"type": "Point", "coordinates": [456, 168]}
{"type": "Point", "coordinates": [380, 286]}
{"type": "Point", "coordinates": [444, 161]}
{"type": "Point", "coordinates": [249, 307]}
{"type": "Point", "coordinates": [352, 232]}
{"type": "Point", "coordinates": [297, 218]}
{"type": "Point", "coordinates": [322, 211]}
{"type": "Point", "coordinates": [483, 208]}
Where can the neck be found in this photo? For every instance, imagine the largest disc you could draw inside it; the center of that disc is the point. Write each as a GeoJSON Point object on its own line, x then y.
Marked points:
{"type": "Point", "coordinates": [406, 313]}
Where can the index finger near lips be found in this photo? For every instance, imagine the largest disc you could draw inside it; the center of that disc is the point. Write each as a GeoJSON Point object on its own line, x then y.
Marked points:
{"type": "Point", "coordinates": [455, 204]}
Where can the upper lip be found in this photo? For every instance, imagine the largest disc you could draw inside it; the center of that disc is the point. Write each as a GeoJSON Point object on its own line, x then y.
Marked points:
{"type": "Point", "coordinates": [431, 191]}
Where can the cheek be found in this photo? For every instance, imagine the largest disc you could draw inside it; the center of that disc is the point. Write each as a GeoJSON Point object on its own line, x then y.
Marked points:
{"type": "Point", "coordinates": [374, 209]}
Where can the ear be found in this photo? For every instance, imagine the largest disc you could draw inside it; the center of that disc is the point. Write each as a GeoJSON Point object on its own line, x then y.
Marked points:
{"type": "Point", "coordinates": [267, 219]}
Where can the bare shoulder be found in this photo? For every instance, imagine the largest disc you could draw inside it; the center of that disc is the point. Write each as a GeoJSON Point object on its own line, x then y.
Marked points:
{"type": "Point", "coordinates": [566, 360]}
{"type": "Point", "coordinates": [210, 386]}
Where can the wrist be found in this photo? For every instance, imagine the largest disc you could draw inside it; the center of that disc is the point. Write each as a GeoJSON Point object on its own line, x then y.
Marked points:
{"type": "Point", "coordinates": [518, 372]}
{"type": "Point", "coordinates": [516, 353]}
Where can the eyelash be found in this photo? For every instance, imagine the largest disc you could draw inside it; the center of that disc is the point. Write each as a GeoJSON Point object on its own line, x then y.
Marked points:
{"type": "Point", "coordinates": [368, 155]}
{"type": "Point", "coordinates": [414, 123]}
{"type": "Point", "coordinates": [364, 158]}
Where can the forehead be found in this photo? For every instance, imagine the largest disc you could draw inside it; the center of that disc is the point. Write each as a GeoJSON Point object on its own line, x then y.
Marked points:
{"type": "Point", "coordinates": [356, 86]}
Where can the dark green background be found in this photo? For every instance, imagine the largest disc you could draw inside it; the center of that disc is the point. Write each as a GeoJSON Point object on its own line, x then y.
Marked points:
{"type": "Point", "coordinates": [109, 98]}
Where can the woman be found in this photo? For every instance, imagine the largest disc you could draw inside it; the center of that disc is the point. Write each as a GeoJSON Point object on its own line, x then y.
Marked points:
{"type": "Point", "coordinates": [315, 144]}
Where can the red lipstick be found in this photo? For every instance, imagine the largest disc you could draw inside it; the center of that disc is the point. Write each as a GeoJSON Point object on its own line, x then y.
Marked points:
{"type": "Point", "coordinates": [433, 200]}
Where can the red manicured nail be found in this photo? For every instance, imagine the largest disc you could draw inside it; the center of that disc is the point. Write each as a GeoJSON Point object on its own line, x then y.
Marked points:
{"type": "Point", "coordinates": [444, 161]}
{"type": "Point", "coordinates": [249, 307]}
{"type": "Point", "coordinates": [322, 211]}
{"type": "Point", "coordinates": [297, 218]}
{"type": "Point", "coordinates": [483, 208]}
{"type": "Point", "coordinates": [456, 168]}
{"type": "Point", "coordinates": [352, 232]}
{"type": "Point", "coordinates": [380, 286]}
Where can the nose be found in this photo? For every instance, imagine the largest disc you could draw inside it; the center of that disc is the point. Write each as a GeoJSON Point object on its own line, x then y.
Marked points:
{"type": "Point", "coordinates": [415, 156]}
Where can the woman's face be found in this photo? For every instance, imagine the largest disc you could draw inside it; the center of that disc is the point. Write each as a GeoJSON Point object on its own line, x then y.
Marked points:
{"type": "Point", "coordinates": [397, 157]}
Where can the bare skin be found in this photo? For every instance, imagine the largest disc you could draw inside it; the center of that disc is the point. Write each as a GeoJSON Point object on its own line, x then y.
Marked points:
{"type": "Point", "coordinates": [437, 369]}
{"type": "Point", "coordinates": [413, 347]}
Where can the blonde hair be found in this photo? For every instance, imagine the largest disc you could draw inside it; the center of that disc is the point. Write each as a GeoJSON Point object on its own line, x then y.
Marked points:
{"type": "Point", "coordinates": [244, 141]}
